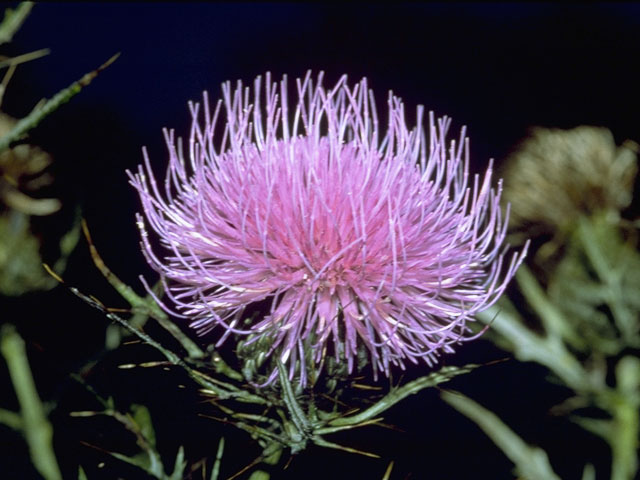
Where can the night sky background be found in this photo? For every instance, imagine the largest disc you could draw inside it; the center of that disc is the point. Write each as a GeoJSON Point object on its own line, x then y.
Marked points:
{"type": "Point", "coordinates": [499, 69]}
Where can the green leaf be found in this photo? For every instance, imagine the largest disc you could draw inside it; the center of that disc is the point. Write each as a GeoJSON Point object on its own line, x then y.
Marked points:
{"type": "Point", "coordinates": [531, 463]}
{"type": "Point", "coordinates": [142, 417]}
{"type": "Point", "coordinates": [216, 465]}
{"type": "Point", "coordinates": [589, 472]}
{"type": "Point", "coordinates": [81, 474]}
{"type": "Point", "coordinates": [596, 286]}
{"type": "Point", "coordinates": [598, 426]}
{"type": "Point", "coordinates": [387, 473]}
{"type": "Point", "coordinates": [628, 378]}
{"type": "Point", "coordinates": [179, 465]}
{"type": "Point", "coordinates": [528, 346]}
{"type": "Point", "coordinates": [141, 460]}
{"type": "Point", "coordinates": [396, 395]}
{"type": "Point", "coordinates": [259, 475]}
{"type": "Point", "coordinates": [555, 323]}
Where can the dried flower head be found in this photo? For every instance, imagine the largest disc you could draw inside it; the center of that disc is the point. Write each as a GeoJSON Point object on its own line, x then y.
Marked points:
{"type": "Point", "coordinates": [356, 238]}
{"type": "Point", "coordinates": [557, 175]}
{"type": "Point", "coordinates": [22, 171]}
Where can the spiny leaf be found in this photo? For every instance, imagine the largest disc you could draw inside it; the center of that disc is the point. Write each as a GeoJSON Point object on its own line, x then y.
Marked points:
{"type": "Point", "coordinates": [397, 394]}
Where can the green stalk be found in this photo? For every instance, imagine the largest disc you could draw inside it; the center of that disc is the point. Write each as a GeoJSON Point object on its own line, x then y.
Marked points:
{"type": "Point", "coordinates": [143, 305]}
{"type": "Point", "coordinates": [552, 318]}
{"type": "Point", "coordinates": [528, 346]}
{"type": "Point", "coordinates": [11, 419]}
{"type": "Point", "coordinates": [13, 20]}
{"type": "Point", "coordinates": [215, 472]}
{"type": "Point", "coordinates": [35, 425]}
{"type": "Point", "coordinates": [39, 113]}
{"type": "Point", "coordinates": [626, 420]}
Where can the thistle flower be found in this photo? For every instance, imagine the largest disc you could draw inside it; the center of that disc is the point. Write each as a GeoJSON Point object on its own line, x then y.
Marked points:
{"type": "Point", "coordinates": [356, 238]}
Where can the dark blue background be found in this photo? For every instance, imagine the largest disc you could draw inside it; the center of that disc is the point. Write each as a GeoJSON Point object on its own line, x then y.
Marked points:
{"type": "Point", "coordinates": [497, 68]}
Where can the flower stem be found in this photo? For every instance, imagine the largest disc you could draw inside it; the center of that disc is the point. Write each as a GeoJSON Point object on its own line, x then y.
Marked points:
{"type": "Point", "coordinates": [35, 425]}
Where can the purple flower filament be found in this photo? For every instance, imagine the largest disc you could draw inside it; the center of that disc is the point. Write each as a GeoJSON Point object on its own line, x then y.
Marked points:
{"type": "Point", "coordinates": [357, 238]}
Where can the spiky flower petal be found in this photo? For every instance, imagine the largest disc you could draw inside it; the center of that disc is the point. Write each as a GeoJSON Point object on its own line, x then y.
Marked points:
{"type": "Point", "coordinates": [357, 236]}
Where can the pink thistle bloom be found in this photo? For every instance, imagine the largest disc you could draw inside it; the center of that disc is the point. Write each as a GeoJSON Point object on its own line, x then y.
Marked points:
{"type": "Point", "coordinates": [357, 237]}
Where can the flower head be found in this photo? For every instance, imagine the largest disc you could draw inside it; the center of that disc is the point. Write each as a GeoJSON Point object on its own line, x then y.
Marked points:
{"type": "Point", "coordinates": [556, 176]}
{"type": "Point", "coordinates": [357, 236]}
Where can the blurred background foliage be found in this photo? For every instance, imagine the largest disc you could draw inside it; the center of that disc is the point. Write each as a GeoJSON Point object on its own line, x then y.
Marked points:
{"type": "Point", "coordinates": [83, 398]}
{"type": "Point", "coordinates": [580, 315]}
